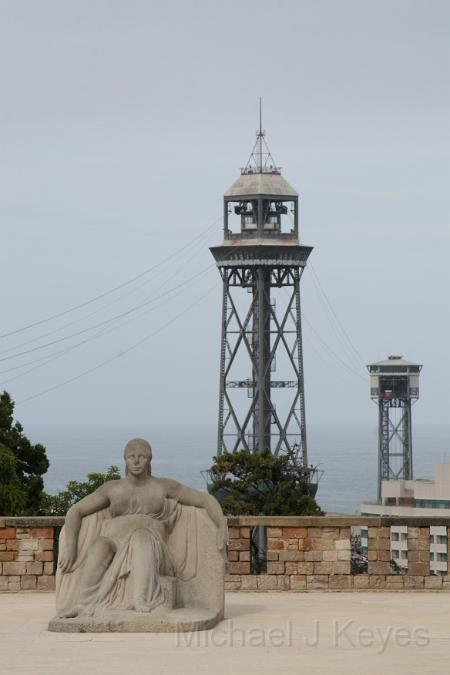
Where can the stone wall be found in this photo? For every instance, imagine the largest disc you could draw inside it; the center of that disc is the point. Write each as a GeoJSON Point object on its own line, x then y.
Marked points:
{"type": "Point", "coordinates": [303, 554]}
{"type": "Point", "coordinates": [298, 558]}
{"type": "Point", "coordinates": [314, 553]}
{"type": "Point", "coordinates": [28, 553]}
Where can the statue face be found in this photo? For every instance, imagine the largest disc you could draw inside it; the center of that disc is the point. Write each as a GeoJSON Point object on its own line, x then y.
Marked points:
{"type": "Point", "coordinates": [137, 461]}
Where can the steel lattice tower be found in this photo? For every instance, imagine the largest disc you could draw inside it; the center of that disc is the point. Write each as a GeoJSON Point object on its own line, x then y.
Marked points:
{"type": "Point", "coordinates": [261, 262]}
{"type": "Point", "coordinates": [394, 385]}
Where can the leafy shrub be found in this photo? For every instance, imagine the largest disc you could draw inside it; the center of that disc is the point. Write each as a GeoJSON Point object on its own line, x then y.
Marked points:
{"type": "Point", "coordinates": [262, 484]}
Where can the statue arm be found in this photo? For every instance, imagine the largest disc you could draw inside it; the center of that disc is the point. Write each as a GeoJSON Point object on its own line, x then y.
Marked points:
{"type": "Point", "coordinates": [190, 497]}
{"type": "Point", "coordinates": [92, 503]}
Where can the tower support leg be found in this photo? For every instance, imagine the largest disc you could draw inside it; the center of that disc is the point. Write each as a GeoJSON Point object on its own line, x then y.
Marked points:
{"type": "Point", "coordinates": [262, 360]}
{"type": "Point", "coordinates": [301, 379]}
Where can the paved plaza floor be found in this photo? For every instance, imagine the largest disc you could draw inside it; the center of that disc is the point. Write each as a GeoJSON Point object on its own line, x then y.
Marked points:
{"type": "Point", "coordinates": [264, 633]}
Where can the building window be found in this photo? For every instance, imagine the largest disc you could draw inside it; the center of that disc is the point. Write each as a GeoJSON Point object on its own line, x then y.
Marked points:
{"type": "Point", "coordinates": [441, 539]}
{"type": "Point", "coordinates": [433, 503]}
{"type": "Point", "coordinates": [403, 536]}
{"type": "Point", "coordinates": [404, 555]}
{"type": "Point", "coordinates": [442, 557]}
{"type": "Point", "coordinates": [394, 536]}
{"type": "Point", "coordinates": [395, 554]}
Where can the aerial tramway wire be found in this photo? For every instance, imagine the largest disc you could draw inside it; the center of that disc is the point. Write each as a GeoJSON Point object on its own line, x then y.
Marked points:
{"type": "Point", "coordinates": [108, 321]}
{"type": "Point", "coordinates": [330, 361]}
{"type": "Point", "coordinates": [355, 352]}
{"type": "Point", "coordinates": [43, 361]}
{"type": "Point", "coordinates": [327, 347]}
{"type": "Point", "coordinates": [197, 249]}
{"type": "Point", "coordinates": [108, 292]}
{"type": "Point", "coordinates": [122, 353]}
{"type": "Point", "coordinates": [336, 356]}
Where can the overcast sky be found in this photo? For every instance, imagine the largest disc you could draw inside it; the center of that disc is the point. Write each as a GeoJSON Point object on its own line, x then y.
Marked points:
{"type": "Point", "coordinates": [122, 124]}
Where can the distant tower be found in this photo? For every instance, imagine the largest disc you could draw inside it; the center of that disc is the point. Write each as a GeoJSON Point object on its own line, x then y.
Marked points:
{"type": "Point", "coordinates": [394, 385]}
{"type": "Point", "coordinates": [261, 262]}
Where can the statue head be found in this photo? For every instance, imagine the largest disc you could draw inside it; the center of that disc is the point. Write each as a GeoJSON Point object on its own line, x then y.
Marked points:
{"type": "Point", "coordinates": [138, 457]}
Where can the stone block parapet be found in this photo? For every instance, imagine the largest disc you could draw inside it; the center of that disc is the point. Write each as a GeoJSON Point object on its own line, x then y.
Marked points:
{"type": "Point", "coordinates": [303, 554]}
{"type": "Point", "coordinates": [28, 552]}
{"type": "Point", "coordinates": [315, 554]}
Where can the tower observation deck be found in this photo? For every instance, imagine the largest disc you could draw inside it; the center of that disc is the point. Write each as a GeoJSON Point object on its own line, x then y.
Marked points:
{"type": "Point", "coordinates": [261, 261]}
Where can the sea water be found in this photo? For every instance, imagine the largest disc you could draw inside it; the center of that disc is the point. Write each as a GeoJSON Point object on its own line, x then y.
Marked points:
{"type": "Point", "coordinates": [347, 455]}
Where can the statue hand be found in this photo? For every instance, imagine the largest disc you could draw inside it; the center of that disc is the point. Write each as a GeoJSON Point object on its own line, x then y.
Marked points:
{"type": "Point", "coordinates": [68, 557]}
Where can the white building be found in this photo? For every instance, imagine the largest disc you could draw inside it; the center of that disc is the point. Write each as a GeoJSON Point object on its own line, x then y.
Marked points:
{"type": "Point", "coordinates": [399, 545]}
{"type": "Point", "coordinates": [438, 549]}
{"type": "Point", "coordinates": [421, 497]}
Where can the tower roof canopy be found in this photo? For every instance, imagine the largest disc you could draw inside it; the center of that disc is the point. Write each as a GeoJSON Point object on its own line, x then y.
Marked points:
{"type": "Point", "coordinates": [271, 184]}
{"type": "Point", "coordinates": [394, 361]}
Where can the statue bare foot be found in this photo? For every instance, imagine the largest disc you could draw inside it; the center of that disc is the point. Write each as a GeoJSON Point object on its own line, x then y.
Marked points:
{"type": "Point", "coordinates": [70, 614]}
{"type": "Point", "coordinates": [141, 606]}
{"type": "Point", "coordinates": [77, 611]}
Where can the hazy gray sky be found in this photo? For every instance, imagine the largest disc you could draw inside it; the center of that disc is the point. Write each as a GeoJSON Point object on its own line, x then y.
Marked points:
{"type": "Point", "coordinates": [122, 124]}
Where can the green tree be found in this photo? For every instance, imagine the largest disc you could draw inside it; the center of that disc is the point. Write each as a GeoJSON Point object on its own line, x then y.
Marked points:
{"type": "Point", "coordinates": [30, 462]}
{"type": "Point", "coordinates": [12, 497]}
{"type": "Point", "coordinates": [261, 484]}
{"type": "Point", "coordinates": [59, 504]}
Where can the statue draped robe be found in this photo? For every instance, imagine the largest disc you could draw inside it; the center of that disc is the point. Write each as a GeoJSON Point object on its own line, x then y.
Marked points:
{"type": "Point", "coordinates": [173, 554]}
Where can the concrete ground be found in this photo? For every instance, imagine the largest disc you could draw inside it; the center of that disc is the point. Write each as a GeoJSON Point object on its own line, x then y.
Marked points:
{"type": "Point", "coordinates": [264, 633]}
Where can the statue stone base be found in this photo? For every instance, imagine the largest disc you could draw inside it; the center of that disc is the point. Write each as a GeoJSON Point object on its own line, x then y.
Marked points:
{"type": "Point", "coordinates": [160, 620]}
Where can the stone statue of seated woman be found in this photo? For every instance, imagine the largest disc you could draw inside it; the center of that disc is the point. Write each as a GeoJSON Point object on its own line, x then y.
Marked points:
{"type": "Point", "coordinates": [141, 554]}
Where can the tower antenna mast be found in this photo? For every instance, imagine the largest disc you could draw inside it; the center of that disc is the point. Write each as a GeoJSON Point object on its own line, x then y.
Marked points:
{"type": "Point", "coordinates": [260, 160]}
{"type": "Point", "coordinates": [260, 135]}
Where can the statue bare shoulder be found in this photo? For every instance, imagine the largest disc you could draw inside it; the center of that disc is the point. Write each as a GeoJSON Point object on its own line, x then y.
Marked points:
{"type": "Point", "coordinates": [191, 497]}
{"type": "Point", "coordinates": [111, 486]}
